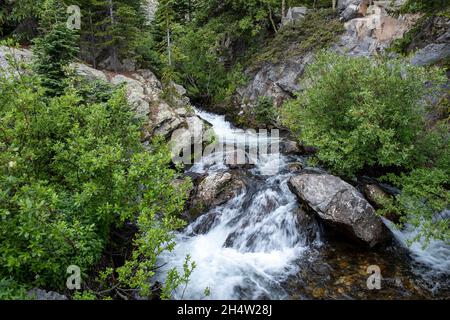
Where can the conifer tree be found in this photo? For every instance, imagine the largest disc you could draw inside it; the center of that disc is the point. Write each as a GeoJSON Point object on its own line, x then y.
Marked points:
{"type": "Point", "coordinates": [53, 53]}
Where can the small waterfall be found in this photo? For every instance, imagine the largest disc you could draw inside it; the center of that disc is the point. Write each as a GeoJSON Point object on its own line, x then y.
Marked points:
{"type": "Point", "coordinates": [245, 248]}
{"type": "Point", "coordinates": [249, 246]}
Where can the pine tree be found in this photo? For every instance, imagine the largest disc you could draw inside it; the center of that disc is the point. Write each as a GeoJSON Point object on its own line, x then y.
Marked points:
{"type": "Point", "coordinates": [53, 53]}
{"type": "Point", "coordinates": [110, 27]}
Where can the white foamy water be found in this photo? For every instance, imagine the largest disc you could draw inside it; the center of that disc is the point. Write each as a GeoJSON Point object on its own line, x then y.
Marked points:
{"type": "Point", "coordinates": [260, 148]}
{"type": "Point", "coordinates": [241, 257]}
{"type": "Point", "coordinates": [435, 255]}
{"type": "Point", "coordinates": [245, 247]}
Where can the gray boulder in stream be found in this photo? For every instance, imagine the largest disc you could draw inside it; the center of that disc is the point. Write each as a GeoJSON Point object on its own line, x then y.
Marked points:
{"type": "Point", "coordinates": [213, 190]}
{"type": "Point", "coordinates": [340, 205]}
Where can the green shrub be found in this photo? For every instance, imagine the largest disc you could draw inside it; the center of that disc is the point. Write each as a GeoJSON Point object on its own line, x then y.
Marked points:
{"type": "Point", "coordinates": [265, 113]}
{"type": "Point", "coordinates": [72, 167]}
{"type": "Point", "coordinates": [424, 196]}
{"type": "Point", "coordinates": [11, 290]}
{"type": "Point", "coordinates": [361, 113]}
{"type": "Point", "coordinates": [84, 295]}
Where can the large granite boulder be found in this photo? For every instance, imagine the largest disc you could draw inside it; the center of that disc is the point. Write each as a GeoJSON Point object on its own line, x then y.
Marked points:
{"type": "Point", "coordinates": [340, 205]}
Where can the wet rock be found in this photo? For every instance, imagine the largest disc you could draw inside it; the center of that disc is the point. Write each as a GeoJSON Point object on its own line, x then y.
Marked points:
{"type": "Point", "coordinates": [307, 224]}
{"type": "Point", "coordinates": [40, 294]}
{"type": "Point", "coordinates": [238, 166]}
{"type": "Point", "coordinates": [207, 222]}
{"type": "Point", "coordinates": [295, 167]}
{"type": "Point", "coordinates": [290, 147]}
{"type": "Point", "coordinates": [340, 205]}
{"type": "Point", "coordinates": [214, 190]}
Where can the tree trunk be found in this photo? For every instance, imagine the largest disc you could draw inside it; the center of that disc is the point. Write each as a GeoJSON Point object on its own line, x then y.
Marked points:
{"type": "Point", "coordinates": [169, 49]}
{"type": "Point", "coordinates": [93, 47]}
{"type": "Point", "coordinates": [283, 8]}
{"type": "Point", "coordinates": [271, 20]}
{"type": "Point", "coordinates": [114, 58]}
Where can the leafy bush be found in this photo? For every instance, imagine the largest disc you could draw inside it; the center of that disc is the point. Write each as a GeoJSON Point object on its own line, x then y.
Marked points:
{"type": "Point", "coordinates": [265, 113]}
{"type": "Point", "coordinates": [11, 290]}
{"type": "Point", "coordinates": [362, 113]}
{"type": "Point", "coordinates": [72, 167]}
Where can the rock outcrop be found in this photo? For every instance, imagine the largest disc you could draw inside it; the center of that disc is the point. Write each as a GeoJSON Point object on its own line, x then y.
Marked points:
{"type": "Point", "coordinates": [293, 15]}
{"type": "Point", "coordinates": [145, 95]}
{"type": "Point", "coordinates": [374, 31]}
{"type": "Point", "coordinates": [279, 81]}
{"type": "Point", "coordinates": [18, 55]}
{"type": "Point", "coordinates": [432, 44]}
{"type": "Point", "coordinates": [340, 205]}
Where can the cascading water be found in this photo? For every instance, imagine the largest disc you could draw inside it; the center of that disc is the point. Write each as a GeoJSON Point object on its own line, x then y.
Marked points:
{"type": "Point", "coordinates": [250, 246]}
